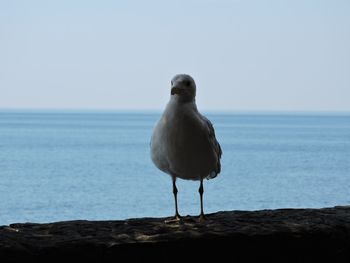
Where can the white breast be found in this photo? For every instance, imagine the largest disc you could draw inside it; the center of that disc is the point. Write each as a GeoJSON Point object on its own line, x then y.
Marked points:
{"type": "Point", "coordinates": [181, 143]}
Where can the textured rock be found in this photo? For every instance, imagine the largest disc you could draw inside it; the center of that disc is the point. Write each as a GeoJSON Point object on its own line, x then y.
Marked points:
{"type": "Point", "coordinates": [276, 235]}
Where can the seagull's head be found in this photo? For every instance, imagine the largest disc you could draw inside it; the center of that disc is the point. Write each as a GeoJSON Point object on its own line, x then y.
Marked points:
{"type": "Point", "coordinates": [183, 87]}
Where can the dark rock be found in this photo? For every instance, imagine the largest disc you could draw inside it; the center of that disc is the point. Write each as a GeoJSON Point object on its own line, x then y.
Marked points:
{"type": "Point", "coordinates": [283, 235]}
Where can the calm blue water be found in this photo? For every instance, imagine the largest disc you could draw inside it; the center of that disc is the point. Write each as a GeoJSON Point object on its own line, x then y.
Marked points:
{"type": "Point", "coordinates": [95, 165]}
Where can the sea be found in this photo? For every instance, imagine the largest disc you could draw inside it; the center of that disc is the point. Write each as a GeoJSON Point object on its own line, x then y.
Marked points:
{"type": "Point", "coordinates": [95, 165]}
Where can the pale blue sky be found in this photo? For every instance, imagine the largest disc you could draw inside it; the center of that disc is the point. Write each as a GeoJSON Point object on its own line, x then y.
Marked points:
{"type": "Point", "coordinates": [244, 55]}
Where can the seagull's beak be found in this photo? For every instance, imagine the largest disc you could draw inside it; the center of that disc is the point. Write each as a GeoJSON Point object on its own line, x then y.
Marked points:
{"type": "Point", "coordinates": [176, 90]}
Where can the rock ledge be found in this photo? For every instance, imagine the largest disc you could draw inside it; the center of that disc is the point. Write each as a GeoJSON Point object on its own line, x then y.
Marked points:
{"type": "Point", "coordinates": [276, 235]}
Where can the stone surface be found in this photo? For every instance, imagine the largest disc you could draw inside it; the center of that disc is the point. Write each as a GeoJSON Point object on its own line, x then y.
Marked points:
{"type": "Point", "coordinates": [281, 235]}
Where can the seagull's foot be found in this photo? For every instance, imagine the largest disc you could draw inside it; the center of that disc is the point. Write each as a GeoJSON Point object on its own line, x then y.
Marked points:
{"type": "Point", "coordinates": [176, 219]}
{"type": "Point", "coordinates": [202, 218]}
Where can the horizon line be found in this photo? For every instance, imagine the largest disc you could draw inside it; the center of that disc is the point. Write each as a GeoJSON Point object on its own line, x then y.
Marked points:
{"type": "Point", "coordinates": [145, 110]}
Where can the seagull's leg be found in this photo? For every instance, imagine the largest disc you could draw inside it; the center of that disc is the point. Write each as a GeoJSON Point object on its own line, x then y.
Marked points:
{"type": "Point", "coordinates": [201, 191]}
{"type": "Point", "coordinates": [177, 215]}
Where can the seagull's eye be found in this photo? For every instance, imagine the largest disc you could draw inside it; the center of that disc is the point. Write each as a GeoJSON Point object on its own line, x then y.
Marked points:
{"type": "Point", "coordinates": [187, 83]}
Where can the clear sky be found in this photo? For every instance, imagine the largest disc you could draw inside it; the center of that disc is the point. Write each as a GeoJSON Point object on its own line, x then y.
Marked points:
{"type": "Point", "coordinates": [244, 55]}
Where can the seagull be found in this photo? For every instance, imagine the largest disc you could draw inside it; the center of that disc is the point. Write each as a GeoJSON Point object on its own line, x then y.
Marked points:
{"type": "Point", "coordinates": [183, 142]}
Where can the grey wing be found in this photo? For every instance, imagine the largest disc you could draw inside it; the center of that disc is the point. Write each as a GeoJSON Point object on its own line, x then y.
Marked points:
{"type": "Point", "coordinates": [216, 147]}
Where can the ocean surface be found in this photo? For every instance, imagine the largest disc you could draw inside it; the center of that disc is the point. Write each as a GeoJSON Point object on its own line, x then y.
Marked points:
{"type": "Point", "coordinates": [68, 165]}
